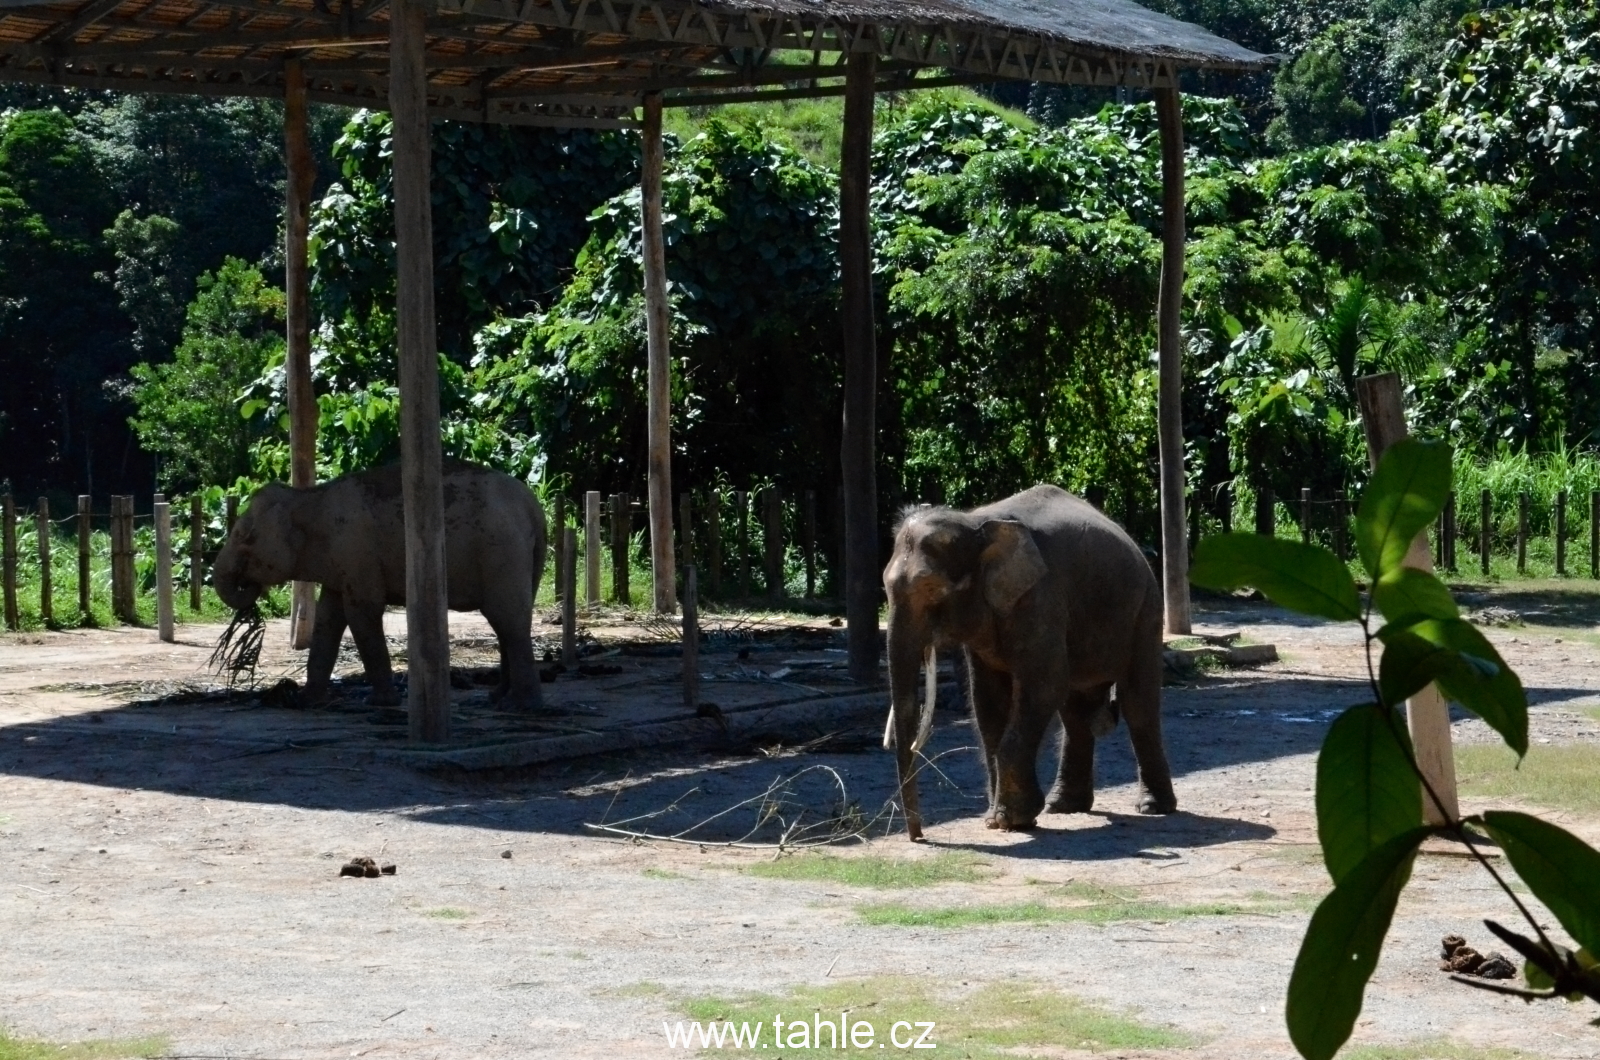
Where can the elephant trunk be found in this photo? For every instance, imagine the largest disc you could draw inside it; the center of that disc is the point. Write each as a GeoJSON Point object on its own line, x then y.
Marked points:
{"type": "Point", "coordinates": [227, 578]}
{"type": "Point", "coordinates": [907, 650]}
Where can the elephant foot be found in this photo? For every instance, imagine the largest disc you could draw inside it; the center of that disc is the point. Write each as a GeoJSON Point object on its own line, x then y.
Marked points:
{"type": "Point", "coordinates": [1157, 804]}
{"type": "Point", "coordinates": [1062, 801]}
{"type": "Point", "coordinates": [383, 697]}
{"type": "Point", "coordinates": [1005, 821]}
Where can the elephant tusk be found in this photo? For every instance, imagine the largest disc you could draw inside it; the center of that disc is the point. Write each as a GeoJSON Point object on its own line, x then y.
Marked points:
{"type": "Point", "coordinates": [930, 692]}
{"type": "Point", "coordinates": [888, 730]}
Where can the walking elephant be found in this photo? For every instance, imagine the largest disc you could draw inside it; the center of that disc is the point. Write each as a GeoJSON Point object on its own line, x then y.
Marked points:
{"type": "Point", "coordinates": [1053, 606]}
{"type": "Point", "coordinates": [348, 536]}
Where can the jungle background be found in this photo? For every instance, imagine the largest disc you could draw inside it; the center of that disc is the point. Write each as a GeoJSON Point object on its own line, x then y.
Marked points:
{"type": "Point", "coordinates": [1413, 188]}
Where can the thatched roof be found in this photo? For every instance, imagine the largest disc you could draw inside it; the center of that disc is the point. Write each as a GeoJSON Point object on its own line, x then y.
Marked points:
{"type": "Point", "coordinates": [589, 61]}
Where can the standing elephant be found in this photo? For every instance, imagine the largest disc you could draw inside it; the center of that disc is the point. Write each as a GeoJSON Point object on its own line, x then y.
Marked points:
{"type": "Point", "coordinates": [1053, 605]}
{"type": "Point", "coordinates": [348, 536]}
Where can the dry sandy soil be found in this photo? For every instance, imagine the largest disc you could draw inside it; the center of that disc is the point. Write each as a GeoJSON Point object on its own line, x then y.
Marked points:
{"type": "Point", "coordinates": [180, 880]}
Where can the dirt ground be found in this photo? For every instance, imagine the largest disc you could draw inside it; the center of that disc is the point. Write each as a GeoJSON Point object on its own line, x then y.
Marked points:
{"type": "Point", "coordinates": [169, 863]}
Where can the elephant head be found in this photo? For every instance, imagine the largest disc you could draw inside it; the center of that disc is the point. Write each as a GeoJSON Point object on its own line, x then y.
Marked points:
{"type": "Point", "coordinates": [953, 579]}
{"type": "Point", "coordinates": [262, 549]}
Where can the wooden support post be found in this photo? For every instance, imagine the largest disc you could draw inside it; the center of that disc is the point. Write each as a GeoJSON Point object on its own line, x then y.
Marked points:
{"type": "Point", "coordinates": [569, 596]}
{"type": "Point", "coordinates": [85, 539]}
{"type": "Point", "coordinates": [230, 511]}
{"type": "Point", "coordinates": [809, 542]}
{"type": "Point", "coordinates": [164, 616]}
{"type": "Point", "coordinates": [863, 585]}
{"type": "Point", "coordinates": [1266, 513]}
{"type": "Point", "coordinates": [556, 539]}
{"type": "Point", "coordinates": [47, 611]}
{"type": "Point", "coordinates": [686, 530]}
{"type": "Point", "coordinates": [691, 639]}
{"type": "Point", "coordinates": [591, 549]}
{"type": "Point", "coordinates": [1594, 533]}
{"type": "Point", "coordinates": [1174, 551]}
{"type": "Point", "coordinates": [658, 327]}
{"type": "Point", "coordinates": [772, 538]}
{"type": "Point", "coordinates": [124, 594]}
{"type": "Point", "coordinates": [1427, 713]}
{"type": "Point", "coordinates": [1561, 534]}
{"type": "Point", "coordinates": [714, 543]}
{"type": "Point", "coordinates": [1305, 515]}
{"type": "Point", "coordinates": [114, 541]}
{"type": "Point", "coordinates": [1522, 532]}
{"type": "Point", "coordinates": [8, 558]}
{"type": "Point", "coordinates": [1485, 529]}
{"type": "Point", "coordinates": [301, 179]}
{"type": "Point", "coordinates": [1341, 525]}
{"type": "Point", "coordinates": [1450, 531]}
{"type": "Point", "coordinates": [622, 520]}
{"type": "Point", "coordinates": [197, 552]}
{"type": "Point", "coordinates": [421, 473]}
{"type": "Point", "coordinates": [741, 498]}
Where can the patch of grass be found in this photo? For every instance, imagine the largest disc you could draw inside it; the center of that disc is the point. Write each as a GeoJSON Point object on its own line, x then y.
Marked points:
{"type": "Point", "coordinates": [644, 989]}
{"type": "Point", "coordinates": [1090, 904]}
{"type": "Point", "coordinates": [95, 1049]}
{"type": "Point", "coordinates": [1443, 1049]}
{"type": "Point", "coordinates": [446, 913]}
{"type": "Point", "coordinates": [996, 1021]}
{"type": "Point", "coordinates": [661, 874]}
{"type": "Point", "coordinates": [877, 871]}
{"type": "Point", "coordinates": [1559, 776]}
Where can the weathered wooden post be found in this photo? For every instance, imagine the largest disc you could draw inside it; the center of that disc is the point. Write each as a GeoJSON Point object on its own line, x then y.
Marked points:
{"type": "Point", "coordinates": [858, 462]}
{"type": "Point", "coordinates": [162, 512]}
{"type": "Point", "coordinates": [658, 327]}
{"type": "Point", "coordinates": [691, 639]}
{"type": "Point", "coordinates": [1594, 534]}
{"type": "Point", "coordinates": [1561, 534]}
{"type": "Point", "coordinates": [124, 594]}
{"type": "Point", "coordinates": [1450, 531]}
{"type": "Point", "coordinates": [714, 541]}
{"type": "Point", "coordinates": [773, 539]}
{"type": "Point", "coordinates": [809, 542]}
{"type": "Point", "coordinates": [85, 536]}
{"type": "Point", "coordinates": [622, 524]}
{"type": "Point", "coordinates": [559, 528]}
{"type": "Point", "coordinates": [741, 498]}
{"type": "Point", "coordinates": [1266, 515]}
{"type": "Point", "coordinates": [47, 611]}
{"type": "Point", "coordinates": [569, 596]}
{"type": "Point", "coordinates": [197, 552]}
{"type": "Point", "coordinates": [591, 548]}
{"type": "Point", "coordinates": [8, 558]}
{"type": "Point", "coordinates": [1522, 532]}
{"type": "Point", "coordinates": [1225, 512]}
{"type": "Point", "coordinates": [302, 401]}
{"type": "Point", "coordinates": [421, 460]}
{"type": "Point", "coordinates": [686, 530]}
{"type": "Point", "coordinates": [1174, 551]}
{"type": "Point", "coordinates": [1305, 515]}
{"type": "Point", "coordinates": [1485, 529]}
{"type": "Point", "coordinates": [1427, 713]}
{"type": "Point", "coordinates": [1341, 525]}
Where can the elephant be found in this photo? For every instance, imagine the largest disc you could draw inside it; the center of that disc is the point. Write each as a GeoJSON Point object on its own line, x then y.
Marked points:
{"type": "Point", "coordinates": [1052, 605]}
{"type": "Point", "coordinates": [348, 535]}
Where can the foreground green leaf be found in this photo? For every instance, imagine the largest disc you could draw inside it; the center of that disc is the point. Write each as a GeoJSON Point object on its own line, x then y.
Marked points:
{"type": "Point", "coordinates": [1560, 869]}
{"type": "Point", "coordinates": [1304, 578]}
{"type": "Point", "coordinates": [1406, 493]}
{"type": "Point", "coordinates": [1367, 792]}
{"type": "Point", "coordinates": [1341, 948]}
{"type": "Point", "coordinates": [1466, 667]}
{"type": "Point", "coordinates": [1415, 594]}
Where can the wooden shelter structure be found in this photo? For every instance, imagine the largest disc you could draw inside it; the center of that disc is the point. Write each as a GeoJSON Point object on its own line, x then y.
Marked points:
{"type": "Point", "coordinates": [617, 63]}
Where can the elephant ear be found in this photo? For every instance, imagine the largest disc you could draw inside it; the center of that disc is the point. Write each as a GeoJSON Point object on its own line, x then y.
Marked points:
{"type": "Point", "coordinates": [1010, 562]}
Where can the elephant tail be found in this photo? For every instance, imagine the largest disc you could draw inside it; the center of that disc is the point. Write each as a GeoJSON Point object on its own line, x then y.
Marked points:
{"type": "Point", "coordinates": [1104, 720]}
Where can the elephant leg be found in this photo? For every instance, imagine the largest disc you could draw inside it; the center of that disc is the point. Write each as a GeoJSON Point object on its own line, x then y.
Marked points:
{"type": "Point", "coordinates": [1140, 699]}
{"type": "Point", "coordinates": [519, 673]}
{"type": "Point", "coordinates": [989, 691]}
{"type": "Point", "coordinates": [326, 633]}
{"type": "Point", "coordinates": [1017, 795]}
{"type": "Point", "coordinates": [366, 626]}
{"type": "Point", "coordinates": [1074, 787]}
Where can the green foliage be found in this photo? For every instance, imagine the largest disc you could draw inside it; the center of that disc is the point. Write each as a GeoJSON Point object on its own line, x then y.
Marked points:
{"type": "Point", "coordinates": [1369, 819]}
{"type": "Point", "coordinates": [189, 407]}
{"type": "Point", "coordinates": [874, 871]}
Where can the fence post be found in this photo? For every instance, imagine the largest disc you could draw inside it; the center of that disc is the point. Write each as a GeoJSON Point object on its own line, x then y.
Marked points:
{"type": "Point", "coordinates": [47, 613]}
{"type": "Point", "coordinates": [1266, 518]}
{"type": "Point", "coordinates": [774, 542]}
{"type": "Point", "coordinates": [741, 498]}
{"type": "Point", "coordinates": [1225, 513]}
{"type": "Point", "coordinates": [624, 515]}
{"type": "Point", "coordinates": [809, 542]}
{"type": "Point", "coordinates": [1341, 525]}
{"type": "Point", "coordinates": [685, 530]}
{"type": "Point", "coordinates": [85, 532]}
{"type": "Point", "coordinates": [1594, 534]}
{"type": "Point", "coordinates": [1561, 534]}
{"type": "Point", "coordinates": [558, 529]}
{"type": "Point", "coordinates": [120, 545]}
{"type": "Point", "coordinates": [1305, 515]}
{"type": "Point", "coordinates": [591, 548]}
{"type": "Point", "coordinates": [1485, 529]}
{"type": "Point", "coordinates": [163, 520]}
{"type": "Point", "coordinates": [1522, 533]}
{"type": "Point", "coordinates": [8, 558]}
{"type": "Point", "coordinates": [714, 539]}
{"type": "Point", "coordinates": [691, 639]}
{"type": "Point", "coordinates": [1450, 532]}
{"type": "Point", "coordinates": [196, 552]}
{"type": "Point", "coordinates": [569, 596]}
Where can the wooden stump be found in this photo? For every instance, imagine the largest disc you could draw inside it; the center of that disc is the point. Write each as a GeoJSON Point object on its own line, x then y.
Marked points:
{"type": "Point", "coordinates": [164, 611]}
{"type": "Point", "coordinates": [773, 540]}
{"type": "Point", "coordinates": [41, 524]}
{"type": "Point", "coordinates": [85, 538]}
